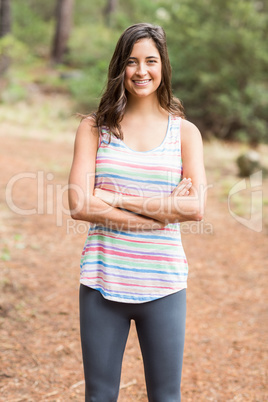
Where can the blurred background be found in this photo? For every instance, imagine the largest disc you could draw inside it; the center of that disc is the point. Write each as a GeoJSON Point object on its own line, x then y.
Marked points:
{"type": "Point", "coordinates": [218, 50]}
{"type": "Point", "coordinates": [54, 56]}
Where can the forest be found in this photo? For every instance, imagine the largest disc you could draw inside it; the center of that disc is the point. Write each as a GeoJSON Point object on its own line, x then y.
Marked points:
{"type": "Point", "coordinates": [218, 52]}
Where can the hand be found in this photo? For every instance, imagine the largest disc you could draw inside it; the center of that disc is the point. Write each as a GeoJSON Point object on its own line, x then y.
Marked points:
{"type": "Point", "coordinates": [182, 188]}
{"type": "Point", "coordinates": [107, 196]}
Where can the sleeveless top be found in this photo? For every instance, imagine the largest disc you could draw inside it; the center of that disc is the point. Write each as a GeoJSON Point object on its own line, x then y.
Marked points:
{"type": "Point", "coordinates": [136, 266]}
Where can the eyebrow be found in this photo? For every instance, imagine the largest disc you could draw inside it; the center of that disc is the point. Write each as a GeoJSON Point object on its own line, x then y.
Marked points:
{"type": "Point", "coordinates": [148, 57]}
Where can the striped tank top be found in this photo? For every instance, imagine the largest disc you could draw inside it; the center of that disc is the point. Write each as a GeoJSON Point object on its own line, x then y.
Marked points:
{"type": "Point", "coordinates": [136, 266]}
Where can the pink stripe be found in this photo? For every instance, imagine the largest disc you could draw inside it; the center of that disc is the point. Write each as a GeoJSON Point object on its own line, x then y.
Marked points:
{"type": "Point", "coordinates": [127, 254]}
{"type": "Point", "coordinates": [126, 284]}
{"type": "Point", "coordinates": [111, 162]}
{"type": "Point", "coordinates": [137, 241]}
{"type": "Point", "coordinates": [124, 150]}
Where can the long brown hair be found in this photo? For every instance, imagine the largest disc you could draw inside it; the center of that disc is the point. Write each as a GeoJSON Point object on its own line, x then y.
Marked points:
{"type": "Point", "coordinates": [113, 102]}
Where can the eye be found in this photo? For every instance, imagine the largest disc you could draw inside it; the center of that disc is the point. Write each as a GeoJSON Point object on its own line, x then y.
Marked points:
{"type": "Point", "coordinates": [130, 62]}
{"type": "Point", "coordinates": [152, 61]}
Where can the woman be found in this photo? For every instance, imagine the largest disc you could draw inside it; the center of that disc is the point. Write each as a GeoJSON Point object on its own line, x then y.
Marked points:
{"type": "Point", "coordinates": [127, 181]}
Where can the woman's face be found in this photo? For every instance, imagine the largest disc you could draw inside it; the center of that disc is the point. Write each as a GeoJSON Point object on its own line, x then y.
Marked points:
{"type": "Point", "coordinates": [143, 73]}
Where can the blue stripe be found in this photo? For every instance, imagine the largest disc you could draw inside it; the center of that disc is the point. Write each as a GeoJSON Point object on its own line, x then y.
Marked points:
{"type": "Point", "coordinates": [130, 250]}
{"type": "Point", "coordinates": [101, 184]}
{"type": "Point", "coordinates": [135, 179]}
{"type": "Point", "coordinates": [139, 235]}
{"type": "Point", "coordinates": [119, 146]}
{"type": "Point", "coordinates": [131, 277]}
{"type": "Point", "coordinates": [111, 266]}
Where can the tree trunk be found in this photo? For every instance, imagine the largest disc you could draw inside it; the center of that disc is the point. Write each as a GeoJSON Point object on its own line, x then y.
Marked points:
{"type": "Point", "coordinates": [5, 28]}
{"type": "Point", "coordinates": [64, 11]}
{"type": "Point", "coordinates": [109, 10]}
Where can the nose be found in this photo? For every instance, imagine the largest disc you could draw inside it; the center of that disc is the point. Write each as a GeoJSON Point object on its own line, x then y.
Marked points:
{"type": "Point", "coordinates": [141, 69]}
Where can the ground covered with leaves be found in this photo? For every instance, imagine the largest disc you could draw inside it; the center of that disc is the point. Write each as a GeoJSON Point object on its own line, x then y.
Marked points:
{"type": "Point", "coordinates": [225, 355]}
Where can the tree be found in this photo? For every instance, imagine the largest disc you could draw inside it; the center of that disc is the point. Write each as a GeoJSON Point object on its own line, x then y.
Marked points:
{"type": "Point", "coordinates": [5, 17]}
{"type": "Point", "coordinates": [220, 64]}
{"type": "Point", "coordinates": [64, 11]}
{"type": "Point", "coordinates": [109, 10]}
{"type": "Point", "coordinates": [5, 28]}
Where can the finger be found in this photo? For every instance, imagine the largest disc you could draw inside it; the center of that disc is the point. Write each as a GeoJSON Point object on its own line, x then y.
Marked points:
{"type": "Point", "coordinates": [181, 186]}
{"type": "Point", "coordinates": [180, 193]}
{"type": "Point", "coordinates": [177, 191]}
{"type": "Point", "coordinates": [184, 182]}
{"type": "Point", "coordinates": [182, 190]}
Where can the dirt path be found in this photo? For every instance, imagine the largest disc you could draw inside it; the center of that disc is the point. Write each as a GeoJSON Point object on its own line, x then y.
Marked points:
{"type": "Point", "coordinates": [226, 337]}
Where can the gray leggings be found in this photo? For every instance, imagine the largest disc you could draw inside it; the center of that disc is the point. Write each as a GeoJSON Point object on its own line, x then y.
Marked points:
{"type": "Point", "coordinates": [104, 327]}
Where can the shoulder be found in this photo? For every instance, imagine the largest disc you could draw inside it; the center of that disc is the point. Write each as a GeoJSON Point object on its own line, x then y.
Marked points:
{"type": "Point", "coordinates": [188, 128]}
{"type": "Point", "coordinates": [87, 132]}
{"type": "Point", "coordinates": [189, 132]}
{"type": "Point", "coordinates": [87, 136]}
{"type": "Point", "coordinates": [87, 127]}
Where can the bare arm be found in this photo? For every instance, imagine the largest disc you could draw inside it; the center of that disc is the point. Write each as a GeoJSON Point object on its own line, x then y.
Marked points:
{"type": "Point", "coordinates": [83, 204]}
{"type": "Point", "coordinates": [176, 207]}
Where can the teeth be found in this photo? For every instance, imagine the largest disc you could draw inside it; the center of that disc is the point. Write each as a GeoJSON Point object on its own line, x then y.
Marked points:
{"type": "Point", "coordinates": [142, 82]}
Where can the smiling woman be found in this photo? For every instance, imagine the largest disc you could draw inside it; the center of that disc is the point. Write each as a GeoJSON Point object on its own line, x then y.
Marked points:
{"type": "Point", "coordinates": [139, 165]}
{"type": "Point", "coordinates": [143, 73]}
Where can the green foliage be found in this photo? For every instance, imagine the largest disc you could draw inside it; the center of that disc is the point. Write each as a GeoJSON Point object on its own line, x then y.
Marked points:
{"type": "Point", "coordinates": [91, 44]}
{"type": "Point", "coordinates": [217, 50]}
{"type": "Point", "coordinates": [87, 89]}
{"type": "Point", "coordinates": [92, 57]}
{"type": "Point", "coordinates": [5, 254]}
{"type": "Point", "coordinates": [88, 13]}
{"type": "Point", "coordinates": [13, 48]}
{"type": "Point", "coordinates": [219, 58]}
{"type": "Point", "coordinates": [33, 24]}
{"type": "Point", "coordinates": [13, 93]}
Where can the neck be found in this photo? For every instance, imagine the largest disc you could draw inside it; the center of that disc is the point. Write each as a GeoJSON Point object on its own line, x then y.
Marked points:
{"type": "Point", "coordinates": [143, 106]}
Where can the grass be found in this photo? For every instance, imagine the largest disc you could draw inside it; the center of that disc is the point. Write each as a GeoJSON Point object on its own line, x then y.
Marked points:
{"type": "Point", "coordinates": [47, 117]}
{"type": "Point", "coordinates": [5, 254]}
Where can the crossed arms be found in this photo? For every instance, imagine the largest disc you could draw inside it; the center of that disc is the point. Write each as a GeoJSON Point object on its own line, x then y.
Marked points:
{"type": "Point", "coordinates": [185, 203]}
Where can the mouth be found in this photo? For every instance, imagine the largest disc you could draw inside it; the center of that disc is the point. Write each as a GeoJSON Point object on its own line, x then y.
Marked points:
{"type": "Point", "coordinates": [141, 82]}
